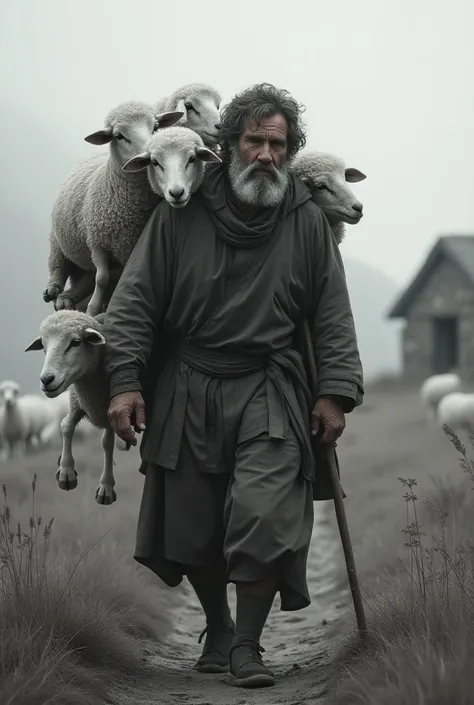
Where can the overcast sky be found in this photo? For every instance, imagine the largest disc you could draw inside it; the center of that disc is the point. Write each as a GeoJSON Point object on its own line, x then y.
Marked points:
{"type": "Point", "coordinates": [388, 86]}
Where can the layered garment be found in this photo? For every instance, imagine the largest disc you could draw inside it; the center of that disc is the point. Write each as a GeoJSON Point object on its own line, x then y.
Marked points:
{"type": "Point", "coordinates": [205, 322]}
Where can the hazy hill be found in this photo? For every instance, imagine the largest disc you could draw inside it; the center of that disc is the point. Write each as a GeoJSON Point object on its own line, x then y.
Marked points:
{"type": "Point", "coordinates": [372, 293]}
{"type": "Point", "coordinates": [37, 158]}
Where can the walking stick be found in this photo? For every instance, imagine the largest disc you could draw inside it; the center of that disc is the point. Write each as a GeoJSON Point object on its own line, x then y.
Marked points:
{"type": "Point", "coordinates": [338, 500]}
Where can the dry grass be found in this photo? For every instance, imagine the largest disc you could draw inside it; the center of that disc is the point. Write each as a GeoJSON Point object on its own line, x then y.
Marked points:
{"type": "Point", "coordinates": [75, 610]}
{"type": "Point", "coordinates": [421, 644]}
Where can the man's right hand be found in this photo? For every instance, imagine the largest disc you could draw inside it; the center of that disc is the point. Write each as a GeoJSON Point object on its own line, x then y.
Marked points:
{"type": "Point", "coordinates": [125, 409]}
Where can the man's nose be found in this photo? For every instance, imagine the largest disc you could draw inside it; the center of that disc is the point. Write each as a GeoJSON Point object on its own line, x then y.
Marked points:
{"type": "Point", "coordinates": [265, 157]}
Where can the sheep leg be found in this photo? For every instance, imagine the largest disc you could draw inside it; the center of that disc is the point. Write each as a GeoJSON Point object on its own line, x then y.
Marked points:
{"type": "Point", "coordinates": [11, 452]}
{"type": "Point", "coordinates": [81, 286]}
{"type": "Point", "coordinates": [66, 475]}
{"type": "Point", "coordinates": [58, 266]}
{"type": "Point", "coordinates": [105, 493]}
{"type": "Point", "coordinates": [101, 262]}
{"type": "Point", "coordinates": [29, 445]}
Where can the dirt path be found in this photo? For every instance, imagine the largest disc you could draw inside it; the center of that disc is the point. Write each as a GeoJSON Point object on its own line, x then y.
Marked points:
{"type": "Point", "coordinates": [295, 643]}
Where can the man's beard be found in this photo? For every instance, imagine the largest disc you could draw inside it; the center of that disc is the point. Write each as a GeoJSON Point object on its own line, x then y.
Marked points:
{"type": "Point", "coordinates": [254, 187]}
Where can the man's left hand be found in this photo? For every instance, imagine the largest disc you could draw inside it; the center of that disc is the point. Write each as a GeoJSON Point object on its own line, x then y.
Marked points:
{"type": "Point", "coordinates": [328, 416]}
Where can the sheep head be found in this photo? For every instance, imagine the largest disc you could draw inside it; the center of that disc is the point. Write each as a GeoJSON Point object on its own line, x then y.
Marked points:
{"type": "Point", "coordinates": [128, 128]}
{"type": "Point", "coordinates": [71, 342]}
{"type": "Point", "coordinates": [327, 177]}
{"type": "Point", "coordinates": [9, 392]}
{"type": "Point", "coordinates": [175, 158]}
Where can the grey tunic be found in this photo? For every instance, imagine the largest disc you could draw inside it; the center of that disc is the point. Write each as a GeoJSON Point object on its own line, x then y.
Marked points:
{"type": "Point", "coordinates": [207, 324]}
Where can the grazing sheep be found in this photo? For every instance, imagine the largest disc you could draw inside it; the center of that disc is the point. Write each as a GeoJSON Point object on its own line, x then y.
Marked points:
{"type": "Point", "coordinates": [436, 387]}
{"type": "Point", "coordinates": [101, 211]}
{"type": "Point", "coordinates": [326, 176]}
{"type": "Point", "coordinates": [22, 418]}
{"type": "Point", "coordinates": [456, 410]}
{"type": "Point", "coordinates": [73, 345]}
{"type": "Point", "coordinates": [175, 158]}
{"type": "Point", "coordinates": [200, 103]}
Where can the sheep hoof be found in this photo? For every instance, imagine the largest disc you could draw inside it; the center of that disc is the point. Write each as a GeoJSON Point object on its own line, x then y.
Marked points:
{"type": "Point", "coordinates": [64, 303]}
{"type": "Point", "coordinates": [66, 478]}
{"type": "Point", "coordinates": [105, 494]}
{"type": "Point", "coordinates": [51, 293]}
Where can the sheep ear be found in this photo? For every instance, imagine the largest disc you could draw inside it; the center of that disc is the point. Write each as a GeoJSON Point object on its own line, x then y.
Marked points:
{"type": "Point", "coordinates": [141, 161]}
{"type": "Point", "coordinates": [167, 119]}
{"type": "Point", "coordinates": [354, 175]}
{"type": "Point", "coordinates": [207, 155]}
{"type": "Point", "coordinates": [306, 180]}
{"type": "Point", "coordinates": [182, 106]}
{"type": "Point", "coordinates": [93, 337]}
{"type": "Point", "coordinates": [100, 137]}
{"type": "Point", "coordinates": [37, 344]}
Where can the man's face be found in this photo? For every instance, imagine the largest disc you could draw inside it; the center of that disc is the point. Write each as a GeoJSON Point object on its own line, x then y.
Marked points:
{"type": "Point", "coordinates": [265, 143]}
{"type": "Point", "coordinates": [258, 170]}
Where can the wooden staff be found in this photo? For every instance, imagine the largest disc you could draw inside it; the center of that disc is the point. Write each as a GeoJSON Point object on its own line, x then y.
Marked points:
{"type": "Point", "coordinates": [338, 499]}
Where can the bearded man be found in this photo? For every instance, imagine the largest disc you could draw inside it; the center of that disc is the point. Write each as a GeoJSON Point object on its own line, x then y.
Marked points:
{"type": "Point", "coordinates": [209, 305]}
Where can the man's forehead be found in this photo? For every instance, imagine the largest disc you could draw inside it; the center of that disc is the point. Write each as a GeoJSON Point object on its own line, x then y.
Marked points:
{"type": "Point", "coordinates": [273, 124]}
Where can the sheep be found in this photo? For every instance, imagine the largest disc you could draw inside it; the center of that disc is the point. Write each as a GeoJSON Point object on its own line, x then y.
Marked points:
{"type": "Point", "coordinates": [173, 147]}
{"type": "Point", "coordinates": [326, 176]}
{"type": "Point", "coordinates": [456, 410]}
{"type": "Point", "coordinates": [438, 386]}
{"type": "Point", "coordinates": [101, 211]}
{"type": "Point", "coordinates": [73, 343]}
{"type": "Point", "coordinates": [200, 103]}
{"type": "Point", "coordinates": [175, 159]}
{"type": "Point", "coordinates": [22, 418]}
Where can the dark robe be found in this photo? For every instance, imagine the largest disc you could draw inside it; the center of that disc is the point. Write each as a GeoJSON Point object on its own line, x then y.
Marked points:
{"type": "Point", "coordinates": [205, 321]}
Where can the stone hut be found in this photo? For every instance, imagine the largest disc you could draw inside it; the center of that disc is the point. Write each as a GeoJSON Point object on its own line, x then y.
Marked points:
{"type": "Point", "coordinates": [438, 309]}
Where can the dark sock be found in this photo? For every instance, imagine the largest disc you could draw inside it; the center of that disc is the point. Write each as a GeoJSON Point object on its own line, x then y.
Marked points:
{"type": "Point", "coordinates": [213, 598]}
{"type": "Point", "coordinates": [252, 613]}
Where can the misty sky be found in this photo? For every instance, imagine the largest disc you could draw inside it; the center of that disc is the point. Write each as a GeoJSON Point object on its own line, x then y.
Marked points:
{"type": "Point", "coordinates": [388, 86]}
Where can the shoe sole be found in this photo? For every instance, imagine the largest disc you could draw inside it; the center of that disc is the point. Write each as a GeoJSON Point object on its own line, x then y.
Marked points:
{"type": "Point", "coordinates": [257, 681]}
{"type": "Point", "coordinates": [212, 668]}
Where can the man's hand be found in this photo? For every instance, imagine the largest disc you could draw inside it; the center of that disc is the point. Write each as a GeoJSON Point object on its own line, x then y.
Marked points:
{"type": "Point", "coordinates": [124, 410]}
{"type": "Point", "coordinates": [328, 418]}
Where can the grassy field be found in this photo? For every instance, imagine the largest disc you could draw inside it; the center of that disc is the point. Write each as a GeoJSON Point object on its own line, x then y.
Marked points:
{"type": "Point", "coordinates": [410, 506]}
{"type": "Point", "coordinates": [74, 606]}
{"type": "Point", "coordinates": [77, 613]}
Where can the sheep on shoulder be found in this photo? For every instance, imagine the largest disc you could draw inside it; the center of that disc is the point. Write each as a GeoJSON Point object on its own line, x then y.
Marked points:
{"type": "Point", "coordinates": [200, 104]}
{"type": "Point", "coordinates": [438, 386]}
{"type": "Point", "coordinates": [175, 159]}
{"type": "Point", "coordinates": [73, 343]}
{"type": "Point", "coordinates": [101, 211]}
{"type": "Point", "coordinates": [326, 176]}
{"type": "Point", "coordinates": [456, 410]}
{"type": "Point", "coordinates": [174, 164]}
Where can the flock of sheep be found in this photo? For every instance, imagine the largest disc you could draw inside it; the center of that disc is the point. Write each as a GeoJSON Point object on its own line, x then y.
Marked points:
{"type": "Point", "coordinates": [447, 404]}
{"type": "Point", "coordinates": [155, 152]}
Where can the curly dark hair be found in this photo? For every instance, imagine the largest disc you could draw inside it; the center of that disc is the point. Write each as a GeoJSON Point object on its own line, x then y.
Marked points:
{"type": "Point", "coordinates": [260, 101]}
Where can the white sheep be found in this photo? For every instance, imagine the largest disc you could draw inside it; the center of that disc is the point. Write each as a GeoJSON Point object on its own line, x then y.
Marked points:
{"type": "Point", "coordinates": [22, 418]}
{"type": "Point", "coordinates": [438, 386]}
{"type": "Point", "coordinates": [456, 410]}
{"type": "Point", "coordinates": [101, 211]}
{"type": "Point", "coordinates": [175, 159]}
{"type": "Point", "coordinates": [326, 176]}
{"type": "Point", "coordinates": [200, 103]}
{"type": "Point", "coordinates": [73, 344]}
